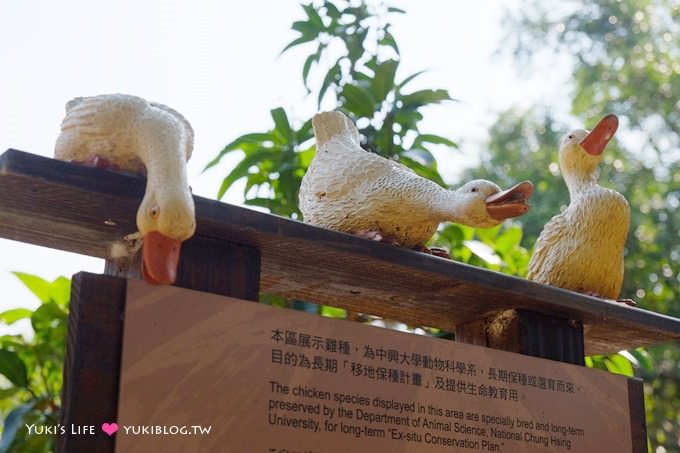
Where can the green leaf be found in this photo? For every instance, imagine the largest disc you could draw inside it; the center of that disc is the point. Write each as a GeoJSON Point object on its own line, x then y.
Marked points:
{"type": "Point", "coordinates": [241, 169]}
{"type": "Point", "coordinates": [383, 80]}
{"type": "Point", "coordinates": [47, 316]}
{"type": "Point", "coordinates": [358, 101]}
{"type": "Point", "coordinates": [331, 10]}
{"type": "Point", "coordinates": [333, 312]}
{"type": "Point", "coordinates": [259, 138]}
{"type": "Point", "coordinates": [307, 29]}
{"type": "Point", "coordinates": [306, 132]}
{"type": "Point", "coordinates": [60, 291]}
{"type": "Point", "coordinates": [422, 170]}
{"type": "Point", "coordinates": [332, 76]}
{"type": "Point", "coordinates": [9, 317]}
{"type": "Point", "coordinates": [643, 359]}
{"type": "Point", "coordinates": [451, 235]}
{"type": "Point", "coordinates": [509, 239]}
{"type": "Point", "coordinates": [488, 235]}
{"type": "Point", "coordinates": [483, 251]}
{"type": "Point", "coordinates": [389, 41]}
{"type": "Point", "coordinates": [356, 45]}
{"type": "Point", "coordinates": [435, 140]}
{"type": "Point", "coordinates": [422, 156]}
{"type": "Point", "coordinates": [282, 125]}
{"type": "Point", "coordinates": [392, 9]}
{"type": "Point", "coordinates": [306, 156]}
{"type": "Point", "coordinates": [13, 368]}
{"type": "Point", "coordinates": [261, 202]}
{"type": "Point", "coordinates": [420, 98]}
{"type": "Point", "coordinates": [13, 422]}
{"type": "Point", "coordinates": [296, 42]}
{"type": "Point", "coordinates": [410, 78]}
{"type": "Point", "coordinates": [313, 15]}
{"type": "Point", "coordinates": [308, 65]}
{"type": "Point", "coordinates": [616, 363]}
{"type": "Point", "coordinates": [37, 285]}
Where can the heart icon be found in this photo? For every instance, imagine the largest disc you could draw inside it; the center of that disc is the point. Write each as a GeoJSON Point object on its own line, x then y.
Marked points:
{"type": "Point", "coordinates": [110, 428]}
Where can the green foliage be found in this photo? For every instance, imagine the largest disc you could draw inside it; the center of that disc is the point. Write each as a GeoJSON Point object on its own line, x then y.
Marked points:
{"type": "Point", "coordinates": [362, 81]}
{"type": "Point", "coordinates": [32, 368]}
{"type": "Point", "coordinates": [276, 159]}
{"type": "Point", "coordinates": [497, 248]}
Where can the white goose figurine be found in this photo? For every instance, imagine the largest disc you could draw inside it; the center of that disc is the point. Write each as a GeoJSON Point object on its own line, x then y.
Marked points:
{"type": "Point", "coordinates": [128, 133]}
{"type": "Point", "coordinates": [357, 192]}
{"type": "Point", "coordinates": [581, 249]}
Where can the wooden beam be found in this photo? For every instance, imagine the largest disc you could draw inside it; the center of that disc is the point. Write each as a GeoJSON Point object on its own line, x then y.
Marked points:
{"type": "Point", "coordinates": [83, 210]}
{"type": "Point", "coordinates": [209, 265]}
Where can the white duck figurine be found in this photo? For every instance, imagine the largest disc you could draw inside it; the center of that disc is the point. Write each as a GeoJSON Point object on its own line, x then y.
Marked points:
{"type": "Point", "coordinates": [351, 190]}
{"type": "Point", "coordinates": [581, 249]}
{"type": "Point", "coordinates": [128, 133]}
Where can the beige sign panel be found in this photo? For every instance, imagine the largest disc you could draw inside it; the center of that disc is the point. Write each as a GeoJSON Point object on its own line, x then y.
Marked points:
{"type": "Point", "coordinates": [209, 373]}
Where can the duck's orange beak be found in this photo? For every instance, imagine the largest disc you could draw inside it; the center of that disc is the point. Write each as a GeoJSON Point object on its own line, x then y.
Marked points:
{"type": "Point", "coordinates": [597, 140]}
{"type": "Point", "coordinates": [160, 257]}
{"type": "Point", "coordinates": [510, 203]}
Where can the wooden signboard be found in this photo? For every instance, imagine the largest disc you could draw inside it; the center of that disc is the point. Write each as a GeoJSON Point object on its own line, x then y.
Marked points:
{"type": "Point", "coordinates": [202, 372]}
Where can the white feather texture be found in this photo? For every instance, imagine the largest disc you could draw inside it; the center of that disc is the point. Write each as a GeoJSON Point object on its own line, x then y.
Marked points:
{"type": "Point", "coordinates": [349, 189]}
{"type": "Point", "coordinates": [142, 137]}
{"type": "Point", "coordinates": [581, 248]}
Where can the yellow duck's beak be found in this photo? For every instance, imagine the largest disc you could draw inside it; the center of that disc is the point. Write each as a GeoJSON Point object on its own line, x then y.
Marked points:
{"type": "Point", "coordinates": [510, 203]}
{"type": "Point", "coordinates": [597, 139]}
{"type": "Point", "coordinates": [160, 258]}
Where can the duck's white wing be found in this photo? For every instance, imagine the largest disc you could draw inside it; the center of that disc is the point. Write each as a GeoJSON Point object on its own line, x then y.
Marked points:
{"type": "Point", "coordinates": [546, 249]}
{"type": "Point", "coordinates": [82, 134]}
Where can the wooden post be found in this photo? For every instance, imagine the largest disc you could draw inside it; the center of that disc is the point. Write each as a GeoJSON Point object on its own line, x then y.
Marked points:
{"type": "Point", "coordinates": [527, 332]}
{"type": "Point", "coordinates": [92, 368]}
{"type": "Point", "coordinates": [93, 352]}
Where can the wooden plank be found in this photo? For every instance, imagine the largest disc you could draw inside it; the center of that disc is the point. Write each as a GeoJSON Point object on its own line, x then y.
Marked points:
{"type": "Point", "coordinates": [92, 368]}
{"type": "Point", "coordinates": [209, 265]}
{"type": "Point", "coordinates": [78, 209]}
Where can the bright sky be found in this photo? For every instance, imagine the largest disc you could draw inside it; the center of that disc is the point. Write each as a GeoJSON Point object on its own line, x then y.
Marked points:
{"type": "Point", "coordinates": [217, 62]}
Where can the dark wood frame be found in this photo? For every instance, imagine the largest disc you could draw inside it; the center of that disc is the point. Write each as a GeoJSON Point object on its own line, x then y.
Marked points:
{"type": "Point", "coordinates": [240, 252]}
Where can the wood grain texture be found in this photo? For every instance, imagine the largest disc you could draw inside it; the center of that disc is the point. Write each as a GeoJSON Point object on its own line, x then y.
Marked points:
{"type": "Point", "coordinates": [93, 355]}
{"type": "Point", "coordinates": [638, 424]}
{"type": "Point", "coordinates": [79, 209]}
{"type": "Point", "coordinates": [209, 265]}
{"type": "Point", "coordinates": [529, 333]}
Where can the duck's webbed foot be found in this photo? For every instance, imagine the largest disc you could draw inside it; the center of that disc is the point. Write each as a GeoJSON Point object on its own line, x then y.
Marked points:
{"type": "Point", "coordinates": [375, 235]}
{"type": "Point", "coordinates": [96, 161]}
{"type": "Point", "coordinates": [436, 251]}
{"type": "Point", "coordinates": [629, 302]}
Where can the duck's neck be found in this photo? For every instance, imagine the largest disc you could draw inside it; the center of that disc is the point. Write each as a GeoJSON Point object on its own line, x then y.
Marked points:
{"type": "Point", "coordinates": [165, 163]}
{"type": "Point", "coordinates": [447, 206]}
{"type": "Point", "coordinates": [579, 181]}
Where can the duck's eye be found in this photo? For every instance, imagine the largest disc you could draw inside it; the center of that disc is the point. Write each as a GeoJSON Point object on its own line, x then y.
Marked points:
{"type": "Point", "coordinates": [155, 211]}
{"type": "Point", "coordinates": [571, 136]}
{"type": "Point", "coordinates": [474, 189]}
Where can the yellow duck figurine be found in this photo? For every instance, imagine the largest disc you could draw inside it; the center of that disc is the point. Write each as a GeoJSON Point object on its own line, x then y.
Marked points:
{"type": "Point", "coordinates": [128, 133]}
{"type": "Point", "coordinates": [581, 249]}
{"type": "Point", "coordinates": [351, 190]}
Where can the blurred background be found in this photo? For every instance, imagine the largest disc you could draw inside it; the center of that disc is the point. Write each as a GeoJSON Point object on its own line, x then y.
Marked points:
{"type": "Point", "coordinates": [454, 90]}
